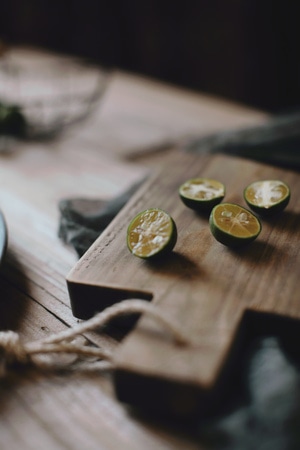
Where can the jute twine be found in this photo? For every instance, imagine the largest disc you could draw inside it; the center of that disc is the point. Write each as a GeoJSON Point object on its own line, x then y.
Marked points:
{"type": "Point", "coordinates": [14, 352]}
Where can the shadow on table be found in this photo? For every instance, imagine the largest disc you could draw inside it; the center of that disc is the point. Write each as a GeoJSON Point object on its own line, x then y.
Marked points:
{"type": "Point", "coordinates": [12, 301]}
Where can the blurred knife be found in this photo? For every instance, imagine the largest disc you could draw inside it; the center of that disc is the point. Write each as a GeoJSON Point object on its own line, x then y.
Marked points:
{"type": "Point", "coordinates": [3, 237]}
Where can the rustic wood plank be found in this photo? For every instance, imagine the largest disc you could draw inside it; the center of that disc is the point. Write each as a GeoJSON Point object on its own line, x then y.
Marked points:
{"type": "Point", "coordinates": [204, 285]}
{"type": "Point", "coordinates": [60, 414]}
{"type": "Point", "coordinates": [81, 410]}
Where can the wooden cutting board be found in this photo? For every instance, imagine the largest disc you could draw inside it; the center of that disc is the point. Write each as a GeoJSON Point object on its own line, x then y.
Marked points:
{"type": "Point", "coordinates": [210, 289]}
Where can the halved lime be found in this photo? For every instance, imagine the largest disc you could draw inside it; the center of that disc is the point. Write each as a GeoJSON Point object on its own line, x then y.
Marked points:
{"type": "Point", "coordinates": [233, 225]}
{"type": "Point", "coordinates": [201, 194]}
{"type": "Point", "coordinates": [267, 197]}
{"type": "Point", "coordinates": [151, 233]}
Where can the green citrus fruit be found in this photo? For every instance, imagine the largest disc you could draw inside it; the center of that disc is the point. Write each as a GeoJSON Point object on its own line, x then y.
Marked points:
{"type": "Point", "coordinates": [151, 233]}
{"type": "Point", "coordinates": [233, 225]}
{"type": "Point", "coordinates": [267, 197]}
{"type": "Point", "coordinates": [201, 194]}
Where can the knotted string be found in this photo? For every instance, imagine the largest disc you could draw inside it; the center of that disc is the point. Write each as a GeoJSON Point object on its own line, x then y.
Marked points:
{"type": "Point", "coordinates": [14, 352]}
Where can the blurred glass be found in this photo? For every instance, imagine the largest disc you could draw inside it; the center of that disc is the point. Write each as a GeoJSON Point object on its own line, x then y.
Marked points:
{"type": "Point", "coordinates": [52, 92]}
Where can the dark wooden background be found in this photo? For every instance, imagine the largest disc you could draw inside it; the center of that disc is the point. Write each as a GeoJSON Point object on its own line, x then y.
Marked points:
{"type": "Point", "coordinates": [245, 50]}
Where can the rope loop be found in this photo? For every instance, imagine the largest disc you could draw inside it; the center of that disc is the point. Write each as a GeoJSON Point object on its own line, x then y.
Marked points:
{"type": "Point", "coordinates": [13, 351]}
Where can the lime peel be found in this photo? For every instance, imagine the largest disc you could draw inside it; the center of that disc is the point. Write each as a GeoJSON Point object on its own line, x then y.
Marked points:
{"type": "Point", "coordinates": [266, 197]}
{"type": "Point", "coordinates": [233, 225]}
{"type": "Point", "coordinates": [151, 233]}
{"type": "Point", "coordinates": [201, 194]}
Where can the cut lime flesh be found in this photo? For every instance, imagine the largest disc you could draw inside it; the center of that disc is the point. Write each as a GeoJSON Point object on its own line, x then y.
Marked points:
{"type": "Point", "coordinates": [267, 197]}
{"type": "Point", "coordinates": [151, 233]}
{"type": "Point", "coordinates": [233, 225]}
{"type": "Point", "coordinates": [201, 193]}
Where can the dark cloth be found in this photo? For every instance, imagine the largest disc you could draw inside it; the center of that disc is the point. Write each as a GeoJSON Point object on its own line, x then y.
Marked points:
{"type": "Point", "coordinates": [83, 220]}
{"type": "Point", "coordinates": [268, 414]}
{"type": "Point", "coordinates": [276, 142]}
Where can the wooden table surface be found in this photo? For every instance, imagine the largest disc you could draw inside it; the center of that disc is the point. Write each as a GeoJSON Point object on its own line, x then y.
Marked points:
{"type": "Point", "coordinates": [132, 130]}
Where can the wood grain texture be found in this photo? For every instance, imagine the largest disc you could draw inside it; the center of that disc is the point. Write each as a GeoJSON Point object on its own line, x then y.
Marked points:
{"type": "Point", "coordinates": [205, 286]}
{"type": "Point", "coordinates": [80, 410]}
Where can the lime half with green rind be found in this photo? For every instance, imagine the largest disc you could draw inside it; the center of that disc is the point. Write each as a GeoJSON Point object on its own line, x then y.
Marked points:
{"type": "Point", "coordinates": [233, 225]}
{"type": "Point", "coordinates": [152, 233]}
{"type": "Point", "coordinates": [267, 197]}
{"type": "Point", "coordinates": [201, 194]}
